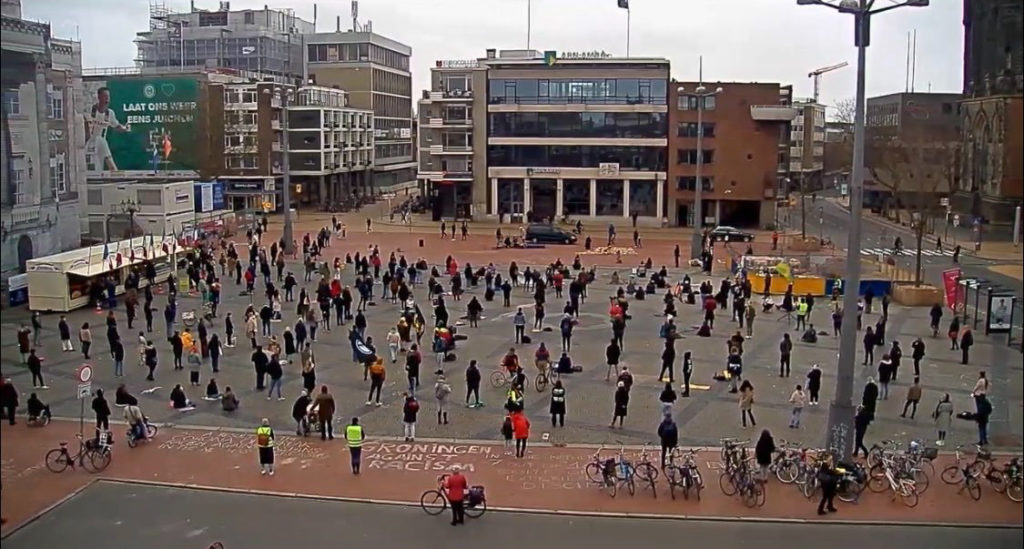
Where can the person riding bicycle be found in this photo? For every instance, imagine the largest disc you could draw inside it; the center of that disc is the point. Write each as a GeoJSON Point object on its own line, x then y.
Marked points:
{"type": "Point", "coordinates": [136, 420]}
{"type": "Point", "coordinates": [542, 358]}
{"type": "Point", "coordinates": [37, 409]}
{"type": "Point", "coordinates": [510, 362]}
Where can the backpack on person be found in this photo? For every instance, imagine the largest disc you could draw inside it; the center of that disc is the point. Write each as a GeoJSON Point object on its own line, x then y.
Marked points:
{"type": "Point", "coordinates": [414, 406]}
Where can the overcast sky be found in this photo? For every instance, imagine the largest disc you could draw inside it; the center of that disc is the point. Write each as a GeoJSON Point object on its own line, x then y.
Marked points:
{"type": "Point", "coordinates": [740, 40]}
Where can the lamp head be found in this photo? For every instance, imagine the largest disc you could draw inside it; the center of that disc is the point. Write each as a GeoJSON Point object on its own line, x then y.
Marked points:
{"type": "Point", "coordinates": [718, 89]}
{"type": "Point", "coordinates": [849, 5]}
{"type": "Point", "coordinates": [681, 89]}
{"type": "Point", "coordinates": [701, 89]}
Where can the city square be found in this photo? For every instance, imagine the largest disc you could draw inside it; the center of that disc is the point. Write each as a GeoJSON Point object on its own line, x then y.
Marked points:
{"type": "Point", "coordinates": [776, 304]}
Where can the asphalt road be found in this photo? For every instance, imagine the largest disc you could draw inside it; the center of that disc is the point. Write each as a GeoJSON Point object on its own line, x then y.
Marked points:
{"type": "Point", "coordinates": [121, 515]}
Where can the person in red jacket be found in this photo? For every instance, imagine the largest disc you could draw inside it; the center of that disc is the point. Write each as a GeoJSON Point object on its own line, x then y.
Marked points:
{"type": "Point", "coordinates": [455, 485]}
{"type": "Point", "coordinates": [521, 432]}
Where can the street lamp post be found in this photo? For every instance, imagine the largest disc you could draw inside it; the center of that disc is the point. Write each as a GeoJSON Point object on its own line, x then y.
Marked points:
{"type": "Point", "coordinates": [841, 410]}
{"type": "Point", "coordinates": [286, 193]}
{"type": "Point", "coordinates": [130, 207]}
{"type": "Point", "coordinates": [701, 94]}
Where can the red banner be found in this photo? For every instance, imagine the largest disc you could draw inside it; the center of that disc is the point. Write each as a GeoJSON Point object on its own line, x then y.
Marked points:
{"type": "Point", "coordinates": [950, 277]}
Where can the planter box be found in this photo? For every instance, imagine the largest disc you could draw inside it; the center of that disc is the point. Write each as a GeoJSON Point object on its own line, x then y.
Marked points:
{"type": "Point", "coordinates": [917, 296]}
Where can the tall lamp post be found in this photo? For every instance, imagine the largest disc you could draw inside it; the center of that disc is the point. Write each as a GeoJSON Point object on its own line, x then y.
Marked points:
{"type": "Point", "coordinates": [841, 410]}
{"type": "Point", "coordinates": [701, 94]}
{"type": "Point", "coordinates": [285, 96]}
{"type": "Point", "coordinates": [130, 207]}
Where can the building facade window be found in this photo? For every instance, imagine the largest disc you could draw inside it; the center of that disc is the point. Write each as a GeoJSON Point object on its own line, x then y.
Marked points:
{"type": "Point", "coordinates": [689, 156]}
{"type": "Point", "coordinates": [689, 183]}
{"type": "Point", "coordinates": [12, 102]}
{"type": "Point", "coordinates": [689, 129]}
{"type": "Point", "coordinates": [55, 109]}
{"type": "Point", "coordinates": [578, 124]}
{"type": "Point", "coordinates": [241, 162]}
{"type": "Point", "coordinates": [58, 173]}
{"type": "Point", "coordinates": [19, 187]}
{"type": "Point", "coordinates": [690, 102]}
{"type": "Point", "coordinates": [578, 156]}
{"type": "Point", "coordinates": [611, 91]}
{"type": "Point", "coordinates": [576, 196]}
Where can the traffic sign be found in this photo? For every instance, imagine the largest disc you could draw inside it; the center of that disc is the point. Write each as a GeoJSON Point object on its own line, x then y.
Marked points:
{"type": "Point", "coordinates": [84, 373]}
{"type": "Point", "coordinates": [84, 390]}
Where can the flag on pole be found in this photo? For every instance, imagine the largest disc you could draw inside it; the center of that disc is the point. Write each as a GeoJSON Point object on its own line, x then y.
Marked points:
{"type": "Point", "coordinates": [624, 4]}
{"type": "Point", "coordinates": [106, 251]}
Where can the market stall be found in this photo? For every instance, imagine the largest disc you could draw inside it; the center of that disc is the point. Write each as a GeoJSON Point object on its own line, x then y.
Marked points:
{"type": "Point", "coordinates": [62, 282]}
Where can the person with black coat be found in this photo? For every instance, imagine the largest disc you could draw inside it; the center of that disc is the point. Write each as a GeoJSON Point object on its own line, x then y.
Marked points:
{"type": "Point", "coordinates": [299, 409]}
{"type": "Point", "coordinates": [668, 358]}
{"type": "Point", "coordinates": [896, 356]}
{"type": "Point", "coordinates": [687, 372]}
{"type": "Point", "coordinates": [215, 349]}
{"type": "Point", "coordinates": [917, 353]}
{"type": "Point", "coordinates": [814, 384]}
{"type": "Point", "coordinates": [984, 410]}
{"type": "Point", "coordinates": [8, 399]}
{"type": "Point", "coordinates": [557, 407]}
{"type": "Point", "coordinates": [764, 451]}
{"type": "Point", "coordinates": [621, 404]}
{"type": "Point", "coordinates": [828, 478]}
{"type": "Point", "coordinates": [869, 346]}
{"type": "Point", "coordinates": [612, 354]}
{"type": "Point", "coordinates": [102, 410]}
{"type": "Point", "coordinates": [668, 432]}
{"type": "Point", "coordinates": [473, 377]}
{"type": "Point", "coordinates": [966, 342]}
{"type": "Point", "coordinates": [259, 363]}
{"type": "Point", "coordinates": [870, 397]}
{"type": "Point", "coordinates": [936, 315]}
{"type": "Point", "coordinates": [178, 347]}
{"type": "Point", "coordinates": [860, 428]}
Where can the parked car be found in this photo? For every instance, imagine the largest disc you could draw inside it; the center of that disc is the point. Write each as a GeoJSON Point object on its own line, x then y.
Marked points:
{"type": "Point", "coordinates": [548, 234]}
{"type": "Point", "coordinates": [725, 233]}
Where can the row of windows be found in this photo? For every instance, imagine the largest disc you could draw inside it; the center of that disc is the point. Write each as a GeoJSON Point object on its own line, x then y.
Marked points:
{"type": "Point", "coordinates": [689, 156]}
{"type": "Point", "coordinates": [578, 124]}
{"type": "Point", "coordinates": [389, 105]}
{"type": "Point", "coordinates": [689, 129]}
{"type": "Point", "coordinates": [393, 150]}
{"type": "Point", "coordinates": [581, 156]}
{"type": "Point", "coordinates": [389, 82]}
{"type": "Point", "coordinates": [691, 103]}
{"type": "Point", "coordinates": [689, 183]}
{"type": "Point", "coordinates": [54, 106]}
{"type": "Point", "coordinates": [615, 91]}
{"type": "Point", "coordinates": [329, 53]}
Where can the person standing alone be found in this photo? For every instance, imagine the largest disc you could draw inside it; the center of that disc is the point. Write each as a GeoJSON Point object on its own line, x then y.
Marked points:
{"type": "Point", "coordinates": [455, 485]}
{"type": "Point", "coordinates": [265, 447]}
{"type": "Point", "coordinates": [354, 436]}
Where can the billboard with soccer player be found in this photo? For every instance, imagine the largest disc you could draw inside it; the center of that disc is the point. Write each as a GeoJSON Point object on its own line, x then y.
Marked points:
{"type": "Point", "coordinates": [141, 126]}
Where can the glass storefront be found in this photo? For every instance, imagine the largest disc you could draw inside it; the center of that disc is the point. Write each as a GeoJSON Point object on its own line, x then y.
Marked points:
{"type": "Point", "coordinates": [577, 156]}
{"type": "Point", "coordinates": [643, 199]}
{"type": "Point", "coordinates": [578, 124]}
{"type": "Point", "coordinates": [510, 196]}
{"type": "Point", "coordinates": [607, 91]}
{"type": "Point", "coordinates": [576, 197]}
{"type": "Point", "coordinates": [609, 197]}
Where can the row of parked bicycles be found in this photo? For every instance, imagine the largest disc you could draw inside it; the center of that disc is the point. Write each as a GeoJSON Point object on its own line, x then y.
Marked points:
{"type": "Point", "coordinates": [904, 472]}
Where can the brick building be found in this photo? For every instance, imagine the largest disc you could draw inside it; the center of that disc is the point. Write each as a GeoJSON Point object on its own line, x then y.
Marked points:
{"type": "Point", "coordinates": [745, 152]}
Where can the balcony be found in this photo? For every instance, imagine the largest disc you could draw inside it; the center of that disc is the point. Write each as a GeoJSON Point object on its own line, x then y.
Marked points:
{"type": "Point", "coordinates": [434, 122]}
{"type": "Point", "coordinates": [772, 113]}
{"type": "Point", "coordinates": [453, 175]}
{"type": "Point", "coordinates": [275, 146]}
{"type": "Point", "coordinates": [451, 95]}
{"type": "Point", "coordinates": [450, 149]}
{"type": "Point", "coordinates": [240, 106]}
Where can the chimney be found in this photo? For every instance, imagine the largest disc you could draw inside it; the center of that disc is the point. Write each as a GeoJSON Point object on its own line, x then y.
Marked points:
{"type": "Point", "coordinates": [492, 53]}
{"type": "Point", "coordinates": [337, 24]}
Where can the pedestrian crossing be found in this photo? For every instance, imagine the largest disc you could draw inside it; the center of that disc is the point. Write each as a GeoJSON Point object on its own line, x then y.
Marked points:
{"type": "Point", "coordinates": [907, 252]}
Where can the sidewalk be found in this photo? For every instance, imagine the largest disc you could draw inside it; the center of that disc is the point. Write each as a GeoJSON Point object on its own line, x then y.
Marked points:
{"type": "Point", "coordinates": [549, 479]}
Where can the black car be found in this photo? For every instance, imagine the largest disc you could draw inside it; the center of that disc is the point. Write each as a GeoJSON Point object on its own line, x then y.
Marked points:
{"type": "Point", "coordinates": [725, 233]}
{"type": "Point", "coordinates": [548, 234]}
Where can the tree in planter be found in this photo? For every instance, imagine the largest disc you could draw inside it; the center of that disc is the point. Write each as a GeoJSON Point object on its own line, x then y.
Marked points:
{"type": "Point", "coordinates": [919, 171]}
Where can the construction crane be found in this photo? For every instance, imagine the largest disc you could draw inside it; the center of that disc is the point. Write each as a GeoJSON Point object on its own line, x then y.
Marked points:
{"type": "Point", "coordinates": [816, 75]}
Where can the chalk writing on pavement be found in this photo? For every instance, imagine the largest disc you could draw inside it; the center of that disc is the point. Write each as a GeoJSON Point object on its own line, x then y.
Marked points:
{"type": "Point", "coordinates": [238, 443]}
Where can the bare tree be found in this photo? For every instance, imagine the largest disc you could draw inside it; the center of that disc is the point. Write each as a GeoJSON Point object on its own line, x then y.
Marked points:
{"type": "Point", "coordinates": [843, 111]}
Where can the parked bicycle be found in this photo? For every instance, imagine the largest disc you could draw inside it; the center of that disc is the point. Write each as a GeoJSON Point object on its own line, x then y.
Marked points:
{"type": "Point", "coordinates": [93, 455]}
{"type": "Point", "coordinates": [896, 479]}
{"type": "Point", "coordinates": [646, 472]}
{"type": "Point", "coordinates": [1007, 479]}
{"type": "Point", "coordinates": [683, 474]}
{"type": "Point", "coordinates": [601, 471]}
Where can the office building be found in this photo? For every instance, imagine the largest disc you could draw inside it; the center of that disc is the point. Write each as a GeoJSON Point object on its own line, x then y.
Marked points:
{"type": "Point", "coordinates": [41, 155]}
{"type": "Point", "coordinates": [992, 128]}
{"type": "Point", "coordinates": [807, 146]}
{"type": "Point", "coordinates": [744, 142]}
{"type": "Point", "coordinates": [447, 114]}
{"type": "Point", "coordinates": [330, 146]}
{"type": "Point", "coordinates": [374, 72]}
{"type": "Point", "coordinates": [267, 41]}
{"type": "Point", "coordinates": [579, 135]}
{"type": "Point", "coordinates": [911, 154]}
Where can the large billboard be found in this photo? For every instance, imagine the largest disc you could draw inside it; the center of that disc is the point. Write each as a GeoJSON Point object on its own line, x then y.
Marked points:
{"type": "Point", "coordinates": [141, 126]}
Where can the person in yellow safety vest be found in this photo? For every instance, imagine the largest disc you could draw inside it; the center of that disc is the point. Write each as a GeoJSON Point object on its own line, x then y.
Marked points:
{"type": "Point", "coordinates": [265, 447]}
{"type": "Point", "coordinates": [801, 313]}
{"type": "Point", "coordinates": [355, 435]}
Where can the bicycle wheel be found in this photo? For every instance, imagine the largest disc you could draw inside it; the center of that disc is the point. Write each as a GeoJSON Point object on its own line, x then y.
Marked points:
{"type": "Point", "coordinates": [672, 476]}
{"type": "Point", "coordinates": [748, 494]}
{"type": "Point", "coordinates": [131, 441]}
{"type": "Point", "coordinates": [98, 460]}
{"type": "Point", "coordinates": [760, 493]}
{"type": "Point", "coordinates": [849, 491]}
{"type": "Point", "coordinates": [498, 379]}
{"type": "Point", "coordinates": [433, 502]}
{"type": "Point", "coordinates": [877, 471]}
{"type": "Point", "coordinates": [726, 484]}
{"type": "Point", "coordinates": [927, 466]}
{"type": "Point", "coordinates": [477, 510]}
{"type": "Point", "coordinates": [1015, 489]}
{"type": "Point", "coordinates": [541, 382]}
{"type": "Point", "coordinates": [952, 474]}
{"type": "Point", "coordinates": [630, 484]}
{"type": "Point", "coordinates": [57, 460]}
{"type": "Point", "coordinates": [611, 485]}
{"type": "Point", "coordinates": [594, 473]}
{"type": "Point", "coordinates": [997, 479]}
{"type": "Point", "coordinates": [810, 487]}
{"type": "Point", "coordinates": [973, 488]}
{"type": "Point", "coordinates": [921, 481]}
{"type": "Point", "coordinates": [878, 485]}
{"type": "Point", "coordinates": [786, 471]}
{"type": "Point", "coordinates": [646, 472]}
{"type": "Point", "coordinates": [151, 430]}
{"type": "Point", "coordinates": [696, 483]}
{"type": "Point", "coordinates": [909, 496]}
